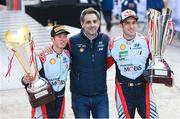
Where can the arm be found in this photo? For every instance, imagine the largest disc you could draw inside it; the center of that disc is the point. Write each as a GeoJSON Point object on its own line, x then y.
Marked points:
{"type": "Point", "coordinates": [109, 59]}
{"type": "Point", "coordinates": [27, 78]}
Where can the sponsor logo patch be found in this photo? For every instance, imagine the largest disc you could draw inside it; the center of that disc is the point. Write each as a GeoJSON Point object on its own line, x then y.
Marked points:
{"type": "Point", "coordinates": [65, 60]}
{"type": "Point", "coordinates": [52, 61]}
{"type": "Point", "coordinates": [132, 68]}
{"type": "Point", "coordinates": [81, 50]}
{"type": "Point", "coordinates": [122, 46]}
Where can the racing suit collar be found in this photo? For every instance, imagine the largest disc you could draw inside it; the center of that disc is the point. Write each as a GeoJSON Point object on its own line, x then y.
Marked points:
{"type": "Point", "coordinates": [55, 51]}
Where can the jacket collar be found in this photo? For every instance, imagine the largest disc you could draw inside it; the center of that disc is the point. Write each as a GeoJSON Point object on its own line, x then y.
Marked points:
{"type": "Point", "coordinates": [85, 36]}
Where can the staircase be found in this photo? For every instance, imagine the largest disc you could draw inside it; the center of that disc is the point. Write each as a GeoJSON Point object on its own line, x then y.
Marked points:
{"type": "Point", "coordinates": [13, 20]}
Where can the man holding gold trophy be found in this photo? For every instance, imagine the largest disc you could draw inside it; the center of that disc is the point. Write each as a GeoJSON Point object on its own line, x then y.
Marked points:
{"type": "Point", "coordinates": [131, 53]}
{"type": "Point", "coordinates": [45, 74]}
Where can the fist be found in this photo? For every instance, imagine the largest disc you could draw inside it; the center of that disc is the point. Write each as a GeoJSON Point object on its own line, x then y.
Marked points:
{"type": "Point", "coordinates": [28, 79]}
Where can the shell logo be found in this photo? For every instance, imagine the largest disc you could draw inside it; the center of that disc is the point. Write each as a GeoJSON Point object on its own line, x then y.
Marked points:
{"type": "Point", "coordinates": [122, 46]}
{"type": "Point", "coordinates": [52, 61]}
{"type": "Point", "coordinates": [81, 49]}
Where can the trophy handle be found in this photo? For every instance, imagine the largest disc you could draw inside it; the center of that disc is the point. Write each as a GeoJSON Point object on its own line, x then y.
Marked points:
{"type": "Point", "coordinates": [172, 33]}
{"type": "Point", "coordinates": [33, 59]}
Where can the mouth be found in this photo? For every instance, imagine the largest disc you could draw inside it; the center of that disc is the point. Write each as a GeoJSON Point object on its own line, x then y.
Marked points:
{"type": "Point", "coordinates": [131, 30]}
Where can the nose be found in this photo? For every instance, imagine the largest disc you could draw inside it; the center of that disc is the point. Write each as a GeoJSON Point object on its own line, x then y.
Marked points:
{"type": "Point", "coordinates": [92, 23]}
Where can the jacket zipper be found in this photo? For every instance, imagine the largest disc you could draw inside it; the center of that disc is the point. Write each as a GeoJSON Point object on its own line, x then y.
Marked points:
{"type": "Point", "coordinates": [92, 51]}
{"type": "Point", "coordinates": [78, 76]}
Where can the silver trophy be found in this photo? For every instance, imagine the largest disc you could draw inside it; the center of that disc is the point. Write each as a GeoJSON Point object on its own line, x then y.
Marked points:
{"type": "Point", "coordinates": [159, 33]}
{"type": "Point", "coordinates": [40, 90]}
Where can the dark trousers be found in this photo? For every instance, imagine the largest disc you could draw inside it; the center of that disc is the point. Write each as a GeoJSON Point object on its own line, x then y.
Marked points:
{"type": "Point", "coordinates": [98, 105]}
{"type": "Point", "coordinates": [54, 108]}
{"type": "Point", "coordinates": [135, 99]}
{"type": "Point", "coordinates": [108, 19]}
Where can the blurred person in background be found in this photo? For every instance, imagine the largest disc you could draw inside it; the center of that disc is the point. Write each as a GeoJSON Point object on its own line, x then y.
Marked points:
{"type": "Point", "coordinates": [129, 4]}
{"type": "Point", "coordinates": [2, 4]}
{"type": "Point", "coordinates": [107, 7]}
{"type": "Point", "coordinates": [155, 4]}
{"type": "Point", "coordinates": [175, 6]}
{"type": "Point", "coordinates": [117, 9]}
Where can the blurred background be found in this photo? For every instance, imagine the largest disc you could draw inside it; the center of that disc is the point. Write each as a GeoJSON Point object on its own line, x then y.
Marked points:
{"type": "Point", "coordinates": [41, 15]}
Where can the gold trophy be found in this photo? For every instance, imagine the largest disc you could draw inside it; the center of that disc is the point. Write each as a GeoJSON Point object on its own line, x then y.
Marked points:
{"type": "Point", "coordinates": [159, 33]}
{"type": "Point", "coordinates": [39, 91]}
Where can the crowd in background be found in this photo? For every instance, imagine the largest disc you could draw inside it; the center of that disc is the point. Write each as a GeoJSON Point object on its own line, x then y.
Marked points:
{"type": "Point", "coordinates": [115, 7]}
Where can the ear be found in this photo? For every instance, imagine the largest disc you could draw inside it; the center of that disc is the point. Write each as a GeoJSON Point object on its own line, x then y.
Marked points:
{"type": "Point", "coordinates": [52, 38]}
{"type": "Point", "coordinates": [99, 22]}
{"type": "Point", "coordinates": [120, 24]}
{"type": "Point", "coordinates": [82, 23]}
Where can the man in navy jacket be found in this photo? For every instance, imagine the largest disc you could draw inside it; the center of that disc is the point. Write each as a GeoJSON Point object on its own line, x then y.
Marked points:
{"type": "Point", "coordinates": [89, 62]}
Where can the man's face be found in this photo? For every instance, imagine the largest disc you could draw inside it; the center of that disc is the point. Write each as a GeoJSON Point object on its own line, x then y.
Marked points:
{"type": "Point", "coordinates": [90, 24]}
{"type": "Point", "coordinates": [129, 27]}
{"type": "Point", "coordinates": [60, 41]}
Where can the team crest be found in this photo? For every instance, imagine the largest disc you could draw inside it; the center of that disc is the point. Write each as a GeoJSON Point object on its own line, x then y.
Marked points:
{"type": "Point", "coordinates": [52, 61]}
{"type": "Point", "coordinates": [122, 46]}
{"type": "Point", "coordinates": [81, 50]}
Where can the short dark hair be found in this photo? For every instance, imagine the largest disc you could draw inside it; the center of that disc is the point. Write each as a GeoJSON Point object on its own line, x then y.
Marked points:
{"type": "Point", "coordinates": [89, 10]}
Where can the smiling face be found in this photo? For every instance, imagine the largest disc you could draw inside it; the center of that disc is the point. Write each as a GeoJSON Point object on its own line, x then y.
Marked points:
{"type": "Point", "coordinates": [90, 24]}
{"type": "Point", "coordinates": [129, 26]}
{"type": "Point", "coordinates": [59, 41]}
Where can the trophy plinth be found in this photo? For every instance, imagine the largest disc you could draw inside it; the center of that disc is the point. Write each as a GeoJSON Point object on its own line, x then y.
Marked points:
{"type": "Point", "coordinates": [40, 91]}
{"type": "Point", "coordinates": [159, 72]}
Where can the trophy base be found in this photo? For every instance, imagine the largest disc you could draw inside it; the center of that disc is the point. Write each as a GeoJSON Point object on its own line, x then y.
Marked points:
{"type": "Point", "coordinates": [44, 96]}
{"type": "Point", "coordinates": [159, 76]}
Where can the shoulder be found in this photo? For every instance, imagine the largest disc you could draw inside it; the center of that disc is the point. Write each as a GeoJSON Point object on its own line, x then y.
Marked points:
{"type": "Point", "coordinates": [104, 36]}
{"type": "Point", "coordinates": [118, 38]}
{"type": "Point", "coordinates": [140, 36]}
{"type": "Point", "coordinates": [114, 41]}
{"type": "Point", "coordinates": [66, 52]}
{"type": "Point", "coordinates": [74, 37]}
{"type": "Point", "coordinates": [42, 55]}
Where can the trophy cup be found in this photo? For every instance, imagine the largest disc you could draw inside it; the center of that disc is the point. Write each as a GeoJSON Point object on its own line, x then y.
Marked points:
{"type": "Point", "coordinates": [39, 91]}
{"type": "Point", "coordinates": [159, 32]}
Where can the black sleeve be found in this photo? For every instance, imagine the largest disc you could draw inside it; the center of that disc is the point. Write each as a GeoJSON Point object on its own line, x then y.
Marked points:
{"type": "Point", "coordinates": [24, 84]}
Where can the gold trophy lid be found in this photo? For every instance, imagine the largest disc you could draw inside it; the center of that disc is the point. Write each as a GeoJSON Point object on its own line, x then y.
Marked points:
{"type": "Point", "coordinates": [15, 40]}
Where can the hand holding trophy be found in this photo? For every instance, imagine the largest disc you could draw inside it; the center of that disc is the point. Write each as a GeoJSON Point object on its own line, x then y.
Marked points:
{"type": "Point", "coordinates": [39, 90]}
{"type": "Point", "coordinates": [159, 30]}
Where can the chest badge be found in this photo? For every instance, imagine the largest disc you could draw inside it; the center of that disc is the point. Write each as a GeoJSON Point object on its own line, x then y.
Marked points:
{"type": "Point", "coordinates": [122, 46]}
{"type": "Point", "coordinates": [81, 50]}
{"type": "Point", "coordinates": [52, 61]}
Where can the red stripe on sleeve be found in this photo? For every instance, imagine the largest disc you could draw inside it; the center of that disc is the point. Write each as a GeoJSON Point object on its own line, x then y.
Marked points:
{"type": "Point", "coordinates": [147, 41]}
{"type": "Point", "coordinates": [109, 62]}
